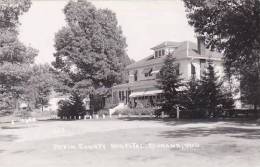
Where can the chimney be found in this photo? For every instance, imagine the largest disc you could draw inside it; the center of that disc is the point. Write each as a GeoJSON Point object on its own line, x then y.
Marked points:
{"type": "Point", "coordinates": [201, 45]}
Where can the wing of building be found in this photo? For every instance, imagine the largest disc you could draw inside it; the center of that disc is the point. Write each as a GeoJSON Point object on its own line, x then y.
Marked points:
{"type": "Point", "coordinates": [142, 86]}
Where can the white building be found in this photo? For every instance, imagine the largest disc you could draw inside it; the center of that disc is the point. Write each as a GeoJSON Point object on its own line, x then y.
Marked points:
{"type": "Point", "coordinates": [142, 86]}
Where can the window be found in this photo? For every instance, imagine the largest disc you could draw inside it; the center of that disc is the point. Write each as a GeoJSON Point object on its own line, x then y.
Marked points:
{"type": "Point", "coordinates": [135, 75]}
{"type": "Point", "coordinates": [160, 53]}
{"type": "Point", "coordinates": [156, 54]}
{"type": "Point", "coordinates": [119, 95]}
{"type": "Point", "coordinates": [202, 66]}
{"type": "Point", "coordinates": [193, 70]}
{"type": "Point", "coordinates": [123, 96]}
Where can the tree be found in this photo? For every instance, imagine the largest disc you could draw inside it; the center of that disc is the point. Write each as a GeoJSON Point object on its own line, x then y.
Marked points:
{"type": "Point", "coordinates": [210, 88]}
{"type": "Point", "coordinates": [40, 85]}
{"type": "Point", "coordinates": [193, 102]}
{"type": "Point", "coordinates": [73, 107]}
{"type": "Point", "coordinates": [15, 58]}
{"type": "Point", "coordinates": [91, 48]}
{"type": "Point", "coordinates": [170, 82]}
{"type": "Point", "coordinates": [232, 27]}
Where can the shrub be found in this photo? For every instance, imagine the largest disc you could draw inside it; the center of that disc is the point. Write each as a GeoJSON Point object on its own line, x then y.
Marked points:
{"type": "Point", "coordinates": [72, 107]}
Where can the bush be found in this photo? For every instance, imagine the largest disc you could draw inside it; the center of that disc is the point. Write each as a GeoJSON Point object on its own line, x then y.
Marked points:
{"type": "Point", "coordinates": [72, 107]}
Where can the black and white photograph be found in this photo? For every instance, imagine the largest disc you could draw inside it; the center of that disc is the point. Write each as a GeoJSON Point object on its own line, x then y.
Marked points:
{"type": "Point", "coordinates": [129, 83]}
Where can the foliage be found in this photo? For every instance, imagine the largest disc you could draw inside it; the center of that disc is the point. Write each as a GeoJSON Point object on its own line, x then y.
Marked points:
{"type": "Point", "coordinates": [227, 100]}
{"type": "Point", "coordinates": [212, 94]}
{"type": "Point", "coordinates": [90, 50]}
{"type": "Point", "coordinates": [207, 96]}
{"type": "Point", "coordinates": [231, 26]}
{"type": "Point", "coordinates": [15, 58]}
{"type": "Point", "coordinates": [10, 10]}
{"type": "Point", "coordinates": [250, 86]}
{"type": "Point", "coordinates": [39, 86]}
{"type": "Point", "coordinates": [194, 102]}
{"type": "Point", "coordinates": [71, 107]}
{"type": "Point", "coordinates": [210, 90]}
{"type": "Point", "coordinates": [170, 82]}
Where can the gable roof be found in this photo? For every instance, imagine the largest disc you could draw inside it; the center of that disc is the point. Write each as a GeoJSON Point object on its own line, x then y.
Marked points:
{"type": "Point", "coordinates": [184, 50]}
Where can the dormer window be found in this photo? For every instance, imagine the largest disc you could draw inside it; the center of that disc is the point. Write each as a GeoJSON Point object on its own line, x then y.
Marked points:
{"type": "Point", "coordinates": [159, 53]}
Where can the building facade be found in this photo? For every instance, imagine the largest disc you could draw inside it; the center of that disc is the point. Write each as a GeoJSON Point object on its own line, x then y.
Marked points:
{"type": "Point", "coordinates": [142, 87]}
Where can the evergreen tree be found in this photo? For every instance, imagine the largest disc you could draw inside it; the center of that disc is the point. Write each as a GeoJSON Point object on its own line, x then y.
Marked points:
{"type": "Point", "coordinates": [72, 107]}
{"type": "Point", "coordinates": [210, 88]}
{"type": "Point", "coordinates": [193, 101]}
{"type": "Point", "coordinates": [170, 82]}
{"type": "Point", "coordinates": [77, 104]}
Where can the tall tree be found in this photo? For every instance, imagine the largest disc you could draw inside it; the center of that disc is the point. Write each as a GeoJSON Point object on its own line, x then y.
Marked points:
{"type": "Point", "coordinates": [170, 82]}
{"type": "Point", "coordinates": [210, 89]}
{"type": "Point", "coordinates": [193, 101]}
{"type": "Point", "coordinates": [15, 58]}
{"type": "Point", "coordinates": [231, 26]}
{"type": "Point", "coordinates": [91, 48]}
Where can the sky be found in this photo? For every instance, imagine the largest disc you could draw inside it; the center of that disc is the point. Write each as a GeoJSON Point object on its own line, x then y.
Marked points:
{"type": "Point", "coordinates": [145, 23]}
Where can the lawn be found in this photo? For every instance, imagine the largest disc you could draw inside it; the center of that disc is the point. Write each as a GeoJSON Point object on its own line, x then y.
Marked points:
{"type": "Point", "coordinates": [130, 142]}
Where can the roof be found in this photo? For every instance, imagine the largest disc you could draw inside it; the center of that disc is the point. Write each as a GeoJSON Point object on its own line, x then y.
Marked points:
{"type": "Point", "coordinates": [145, 84]}
{"type": "Point", "coordinates": [184, 50]}
{"type": "Point", "coordinates": [166, 44]}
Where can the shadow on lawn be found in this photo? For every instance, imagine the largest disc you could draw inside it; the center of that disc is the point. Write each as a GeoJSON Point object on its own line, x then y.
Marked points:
{"type": "Point", "coordinates": [174, 121]}
{"type": "Point", "coordinates": [8, 138]}
{"type": "Point", "coordinates": [236, 132]}
{"type": "Point", "coordinates": [14, 127]}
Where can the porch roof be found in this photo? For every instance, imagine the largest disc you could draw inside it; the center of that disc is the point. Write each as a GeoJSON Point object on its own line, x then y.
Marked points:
{"type": "Point", "coordinates": [137, 85]}
{"type": "Point", "coordinates": [146, 93]}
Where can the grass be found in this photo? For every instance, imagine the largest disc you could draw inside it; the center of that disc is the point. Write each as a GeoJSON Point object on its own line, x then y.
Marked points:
{"type": "Point", "coordinates": [130, 142]}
